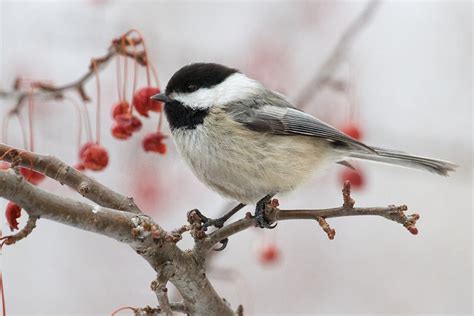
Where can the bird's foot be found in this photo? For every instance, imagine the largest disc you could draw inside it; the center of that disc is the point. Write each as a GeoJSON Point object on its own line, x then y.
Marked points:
{"type": "Point", "coordinates": [223, 245]}
{"type": "Point", "coordinates": [262, 220]}
{"type": "Point", "coordinates": [217, 222]}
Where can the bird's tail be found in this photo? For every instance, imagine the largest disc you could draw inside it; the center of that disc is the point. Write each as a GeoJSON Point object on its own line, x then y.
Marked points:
{"type": "Point", "coordinates": [402, 159]}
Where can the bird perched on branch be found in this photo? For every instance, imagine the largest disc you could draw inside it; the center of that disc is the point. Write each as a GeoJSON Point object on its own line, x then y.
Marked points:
{"type": "Point", "coordinates": [249, 143]}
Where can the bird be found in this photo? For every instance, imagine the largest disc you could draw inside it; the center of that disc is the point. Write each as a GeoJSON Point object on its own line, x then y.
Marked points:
{"type": "Point", "coordinates": [249, 143]}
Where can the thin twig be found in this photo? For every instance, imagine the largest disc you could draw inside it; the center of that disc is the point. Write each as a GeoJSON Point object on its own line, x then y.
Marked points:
{"type": "Point", "coordinates": [323, 75]}
{"type": "Point", "coordinates": [48, 91]}
{"type": "Point", "coordinates": [23, 233]}
{"type": "Point", "coordinates": [274, 214]}
{"type": "Point", "coordinates": [158, 286]}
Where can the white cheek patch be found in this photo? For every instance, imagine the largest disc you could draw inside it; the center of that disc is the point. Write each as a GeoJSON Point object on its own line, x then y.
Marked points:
{"type": "Point", "coordinates": [235, 87]}
{"type": "Point", "coordinates": [201, 99]}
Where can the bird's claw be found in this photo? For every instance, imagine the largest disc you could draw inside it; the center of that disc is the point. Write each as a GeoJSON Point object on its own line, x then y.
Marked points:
{"type": "Point", "coordinates": [206, 221]}
{"type": "Point", "coordinates": [217, 223]}
{"type": "Point", "coordinates": [224, 243]}
{"type": "Point", "coordinates": [262, 220]}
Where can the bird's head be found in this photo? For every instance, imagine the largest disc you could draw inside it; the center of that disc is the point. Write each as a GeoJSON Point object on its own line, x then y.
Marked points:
{"type": "Point", "coordinates": [205, 85]}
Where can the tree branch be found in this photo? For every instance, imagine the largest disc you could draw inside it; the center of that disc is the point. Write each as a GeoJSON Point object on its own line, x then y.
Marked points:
{"type": "Point", "coordinates": [159, 287]}
{"type": "Point", "coordinates": [157, 311]}
{"type": "Point", "coordinates": [43, 90]}
{"type": "Point", "coordinates": [140, 232]}
{"type": "Point", "coordinates": [65, 174]}
{"type": "Point", "coordinates": [323, 75]}
{"type": "Point", "coordinates": [23, 233]}
{"type": "Point", "coordinates": [119, 225]}
{"type": "Point", "coordinates": [274, 214]}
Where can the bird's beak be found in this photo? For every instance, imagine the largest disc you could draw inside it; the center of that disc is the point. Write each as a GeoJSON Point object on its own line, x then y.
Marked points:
{"type": "Point", "coordinates": [160, 97]}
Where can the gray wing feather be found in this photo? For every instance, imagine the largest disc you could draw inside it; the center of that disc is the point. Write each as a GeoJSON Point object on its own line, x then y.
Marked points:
{"type": "Point", "coordinates": [271, 113]}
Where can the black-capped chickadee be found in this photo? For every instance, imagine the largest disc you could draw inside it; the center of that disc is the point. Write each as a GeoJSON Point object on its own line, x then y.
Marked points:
{"type": "Point", "coordinates": [249, 143]}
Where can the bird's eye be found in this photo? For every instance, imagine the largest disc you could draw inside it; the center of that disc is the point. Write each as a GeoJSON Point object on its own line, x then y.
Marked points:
{"type": "Point", "coordinates": [191, 87]}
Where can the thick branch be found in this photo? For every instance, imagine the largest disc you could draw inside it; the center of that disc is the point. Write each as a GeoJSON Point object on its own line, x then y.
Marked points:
{"type": "Point", "coordinates": [139, 231]}
{"type": "Point", "coordinates": [78, 181]}
{"type": "Point", "coordinates": [37, 202]}
{"type": "Point", "coordinates": [323, 75]}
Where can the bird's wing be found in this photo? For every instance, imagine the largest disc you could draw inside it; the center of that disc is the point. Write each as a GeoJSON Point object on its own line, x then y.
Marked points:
{"type": "Point", "coordinates": [271, 113]}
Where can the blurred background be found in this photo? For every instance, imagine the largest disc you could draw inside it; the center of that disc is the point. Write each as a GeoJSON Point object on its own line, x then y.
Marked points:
{"type": "Point", "coordinates": [406, 83]}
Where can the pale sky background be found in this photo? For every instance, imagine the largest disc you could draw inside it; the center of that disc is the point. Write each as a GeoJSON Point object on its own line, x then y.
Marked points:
{"type": "Point", "coordinates": [410, 73]}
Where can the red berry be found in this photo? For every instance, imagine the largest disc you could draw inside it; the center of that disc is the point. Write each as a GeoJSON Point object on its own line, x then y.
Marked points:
{"type": "Point", "coordinates": [95, 157]}
{"type": "Point", "coordinates": [355, 177]}
{"type": "Point", "coordinates": [351, 129]}
{"type": "Point", "coordinates": [143, 103]}
{"type": "Point", "coordinates": [161, 149]}
{"type": "Point", "coordinates": [120, 132]}
{"type": "Point", "coordinates": [84, 148]}
{"type": "Point", "coordinates": [12, 214]}
{"type": "Point", "coordinates": [154, 142]}
{"type": "Point", "coordinates": [32, 176]}
{"type": "Point", "coordinates": [120, 108]}
{"type": "Point", "coordinates": [269, 254]}
{"type": "Point", "coordinates": [129, 122]}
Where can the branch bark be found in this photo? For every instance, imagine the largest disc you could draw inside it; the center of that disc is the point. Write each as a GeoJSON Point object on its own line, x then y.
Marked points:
{"type": "Point", "coordinates": [274, 214]}
{"type": "Point", "coordinates": [36, 202]}
{"type": "Point", "coordinates": [65, 174]}
{"type": "Point", "coordinates": [138, 231]}
{"type": "Point", "coordinates": [156, 311]}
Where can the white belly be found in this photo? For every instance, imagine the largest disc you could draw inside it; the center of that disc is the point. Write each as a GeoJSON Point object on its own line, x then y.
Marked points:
{"type": "Point", "coordinates": [246, 165]}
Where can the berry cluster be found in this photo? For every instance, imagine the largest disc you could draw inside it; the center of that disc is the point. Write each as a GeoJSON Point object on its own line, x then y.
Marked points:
{"type": "Point", "coordinates": [92, 154]}
{"type": "Point", "coordinates": [125, 122]}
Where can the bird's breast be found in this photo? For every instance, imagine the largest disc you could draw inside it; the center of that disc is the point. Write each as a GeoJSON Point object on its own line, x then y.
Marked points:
{"type": "Point", "coordinates": [246, 165]}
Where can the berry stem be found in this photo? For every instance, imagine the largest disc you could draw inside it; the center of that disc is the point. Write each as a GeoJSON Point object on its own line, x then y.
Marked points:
{"type": "Point", "coordinates": [125, 72]}
{"type": "Point", "coordinates": [2, 292]}
{"type": "Point", "coordinates": [135, 73]}
{"type": "Point", "coordinates": [79, 121]}
{"type": "Point", "coordinates": [118, 74]}
{"type": "Point", "coordinates": [23, 130]}
{"type": "Point", "coordinates": [145, 50]}
{"type": "Point", "coordinates": [155, 74]}
{"type": "Point", "coordinates": [5, 122]}
{"type": "Point", "coordinates": [354, 108]}
{"type": "Point", "coordinates": [87, 122]}
{"type": "Point", "coordinates": [97, 119]}
{"type": "Point", "coordinates": [30, 117]}
{"type": "Point", "coordinates": [115, 312]}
